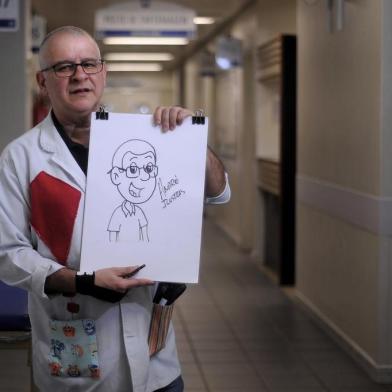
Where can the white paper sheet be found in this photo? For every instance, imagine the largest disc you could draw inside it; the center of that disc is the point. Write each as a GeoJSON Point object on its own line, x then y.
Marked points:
{"type": "Point", "coordinates": [144, 198]}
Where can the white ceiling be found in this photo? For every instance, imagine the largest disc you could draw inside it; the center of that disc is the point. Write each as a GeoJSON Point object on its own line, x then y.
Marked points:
{"type": "Point", "coordinates": [81, 13]}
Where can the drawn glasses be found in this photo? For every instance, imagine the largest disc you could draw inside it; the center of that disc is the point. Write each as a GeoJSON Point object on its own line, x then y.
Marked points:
{"type": "Point", "coordinates": [67, 70]}
{"type": "Point", "coordinates": [133, 171]}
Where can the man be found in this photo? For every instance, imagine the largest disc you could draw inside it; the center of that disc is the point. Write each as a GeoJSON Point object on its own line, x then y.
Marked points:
{"type": "Point", "coordinates": [134, 173]}
{"type": "Point", "coordinates": [43, 180]}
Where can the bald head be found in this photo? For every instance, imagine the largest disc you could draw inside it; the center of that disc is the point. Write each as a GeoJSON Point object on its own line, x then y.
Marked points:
{"type": "Point", "coordinates": [77, 94]}
{"type": "Point", "coordinates": [51, 37]}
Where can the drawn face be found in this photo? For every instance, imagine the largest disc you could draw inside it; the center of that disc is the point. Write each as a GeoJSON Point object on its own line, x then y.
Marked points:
{"type": "Point", "coordinates": [136, 180]}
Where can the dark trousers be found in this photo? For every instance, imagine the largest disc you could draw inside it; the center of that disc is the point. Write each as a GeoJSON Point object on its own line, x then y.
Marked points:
{"type": "Point", "coordinates": [176, 386]}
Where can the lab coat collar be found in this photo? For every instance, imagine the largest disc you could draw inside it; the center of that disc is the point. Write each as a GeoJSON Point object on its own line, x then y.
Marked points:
{"type": "Point", "coordinates": [51, 142]}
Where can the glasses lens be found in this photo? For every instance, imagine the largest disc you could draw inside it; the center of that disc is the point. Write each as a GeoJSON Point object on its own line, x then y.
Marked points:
{"type": "Point", "coordinates": [92, 67]}
{"type": "Point", "coordinates": [64, 69]}
{"type": "Point", "coordinates": [132, 171]}
{"type": "Point", "coordinates": [151, 170]}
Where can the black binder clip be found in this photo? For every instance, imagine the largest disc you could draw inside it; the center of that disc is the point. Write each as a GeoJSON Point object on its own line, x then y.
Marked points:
{"type": "Point", "coordinates": [101, 114]}
{"type": "Point", "coordinates": [198, 117]}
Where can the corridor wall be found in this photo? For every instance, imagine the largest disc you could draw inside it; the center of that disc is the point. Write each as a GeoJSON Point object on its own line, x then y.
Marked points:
{"type": "Point", "coordinates": [138, 92]}
{"type": "Point", "coordinates": [236, 116]}
{"type": "Point", "coordinates": [344, 183]}
{"type": "Point", "coordinates": [15, 99]}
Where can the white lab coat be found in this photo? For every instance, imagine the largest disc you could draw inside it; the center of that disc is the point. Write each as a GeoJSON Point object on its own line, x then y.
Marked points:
{"type": "Point", "coordinates": [25, 261]}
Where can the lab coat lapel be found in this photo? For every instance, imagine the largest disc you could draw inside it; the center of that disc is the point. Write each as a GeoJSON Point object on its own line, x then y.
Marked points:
{"type": "Point", "coordinates": [51, 141]}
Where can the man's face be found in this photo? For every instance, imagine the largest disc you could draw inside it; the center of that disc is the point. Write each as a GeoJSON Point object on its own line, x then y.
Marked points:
{"type": "Point", "coordinates": [136, 181]}
{"type": "Point", "coordinates": [80, 94]}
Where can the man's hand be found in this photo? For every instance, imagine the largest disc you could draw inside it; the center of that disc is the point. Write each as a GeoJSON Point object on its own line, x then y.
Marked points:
{"type": "Point", "coordinates": [109, 284]}
{"type": "Point", "coordinates": [112, 279]}
{"type": "Point", "coordinates": [168, 117]}
{"type": "Point", "coordinates": [115, 278]}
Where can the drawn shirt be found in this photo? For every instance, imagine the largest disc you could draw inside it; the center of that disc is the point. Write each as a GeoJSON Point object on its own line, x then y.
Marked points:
{"type": "Point", "coordinates": [127, 220]}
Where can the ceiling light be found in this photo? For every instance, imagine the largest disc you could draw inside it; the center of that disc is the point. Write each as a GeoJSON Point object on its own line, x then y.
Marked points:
{"type": "Point", "coordinates": [134, 67]}
{"type": "Point", "coordinates": [145, 41]}
{"type": "Point", "coordinates": [203, 20]}
{"type": "Point", "coordinates": [138, 56]}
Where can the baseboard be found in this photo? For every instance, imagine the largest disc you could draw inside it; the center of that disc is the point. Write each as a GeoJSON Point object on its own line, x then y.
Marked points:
{"type": "Point", "coordinates": [379, 373]}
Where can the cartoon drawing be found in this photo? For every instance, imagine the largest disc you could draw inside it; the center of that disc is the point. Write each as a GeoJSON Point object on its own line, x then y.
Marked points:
{"type": "Point", "coordinates": [89, 326]}
{"type": "Point", "coordinates": [94, 371]}
{"type": "Point", "coordinates": [93, 349]}
{"type": "Point", "coordinates": [77, 350]}
{"type": "Point", "coordinates": [56, 347]}
{"type": "Point", "coordinates": [134, 173]}
{"type": "Point", "coordinates": [73, 371]}
{"type": "Point", "coordinates": [55, 368]}
{"type": "Point", "coordinates": [69, 331]}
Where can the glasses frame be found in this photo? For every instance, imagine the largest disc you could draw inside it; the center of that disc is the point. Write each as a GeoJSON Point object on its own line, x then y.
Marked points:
{"type": "Point", "coordinates": [152, 174]}
{"type": "Point", "coordinates": [100, 62]}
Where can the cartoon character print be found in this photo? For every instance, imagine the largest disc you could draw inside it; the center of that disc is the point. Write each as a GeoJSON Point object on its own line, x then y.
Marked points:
{"type": "Point", "coordinates": [93, 350]}
{"type": "Point", "coordinates": [73, 349]}
{"type": "Point", "coordinates": [69, 331]}
{"type": "Point", "coordinates": [73, 371]}
{"type": "Point", "coordinates": [94, 371]}
{"type": "Point", "coordinates": [55, 368]}
{"type": "Point", "coordinates": [77, 350]}
{"type": "Point", "coordinates": [89, 327]}
{"type": "Point", "coordinates": [57, 347]}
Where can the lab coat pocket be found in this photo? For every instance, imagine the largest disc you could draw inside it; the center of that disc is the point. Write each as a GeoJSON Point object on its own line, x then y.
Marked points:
{"type": "Point", "coordinates": [73, 349]}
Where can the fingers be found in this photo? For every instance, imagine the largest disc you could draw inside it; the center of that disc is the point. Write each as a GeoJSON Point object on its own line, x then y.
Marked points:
{"type": "Point", "coordinates": [126, 272]}
{"type": "Point", "coordinates": [182, 115]}
{"type": "Point", "coordinates": [117, 278]}
{"type": "Point", "coordinates": [169, 117]}
{"type": "Point", "coordinates": [134, 282]}
{"type": "Point", "coordinates": [157, 115]}
{"type": "Point", "coordinates": [123, 285]}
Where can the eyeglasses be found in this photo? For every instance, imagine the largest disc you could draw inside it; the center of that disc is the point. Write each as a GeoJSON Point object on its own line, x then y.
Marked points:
{"type": "Point", "coordinates": [67, 70]}
{"type": "Point", "coordinates": [133, 171]}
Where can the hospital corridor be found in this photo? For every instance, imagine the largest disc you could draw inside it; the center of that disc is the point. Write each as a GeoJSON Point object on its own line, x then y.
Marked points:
{"type": "Point", "coordinates": [242, 148]}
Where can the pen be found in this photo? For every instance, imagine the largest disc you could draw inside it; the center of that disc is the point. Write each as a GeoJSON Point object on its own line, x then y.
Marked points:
{"type": "Point", "coordinates": [134, 272]}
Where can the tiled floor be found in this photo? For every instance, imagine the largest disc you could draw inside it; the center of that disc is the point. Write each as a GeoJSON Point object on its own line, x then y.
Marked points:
{"type": "Point", "coordinates": [238, 332]}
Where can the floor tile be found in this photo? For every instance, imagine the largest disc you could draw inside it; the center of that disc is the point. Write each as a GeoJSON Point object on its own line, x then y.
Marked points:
{"type": "Point", "coordinates": [221, 356]}
{"type": "Point", "coordinates": [235, 375]}
{"type": "Point", "coordinates": [247, 335]}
